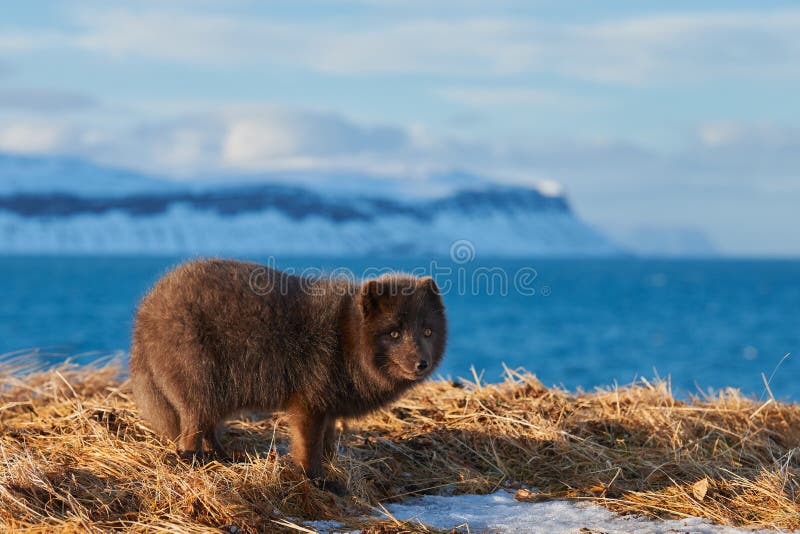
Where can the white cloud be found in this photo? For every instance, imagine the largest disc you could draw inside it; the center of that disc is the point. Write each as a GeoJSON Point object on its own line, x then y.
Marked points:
{"type": "Point", "coordinates": [27, 137]}
{"type": "Point", "coordinates": [737, 135]}
{"type": "Point", "coordinates": [182, 36]}
{"type": "Point", "coordinates": [249, 141]}
{"type": "Point", "coordinates": [15, 41]}
{"type": "Point", "coordinates": [678, 47]}
{"type": "Point", "coordinates": [479, 47]}
{"type": "Point", "coordinates": [264, 138]}
{"type": "Point", "coordinates": [495, 96]}
{"type": "Point", "coordinates": [230, 140]}
{"type": "Point", "coordinates": [718, 134]}
{"type": "Point", "coordinates": [268, 138]}
{"type": "Point", "coordinates": [633, 50]}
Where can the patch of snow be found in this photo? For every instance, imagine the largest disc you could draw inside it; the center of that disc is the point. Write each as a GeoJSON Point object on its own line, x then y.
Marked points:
{"type": "Point", "coordinates": [500, 512]}
{"type": "Point", "coordinates": [326, 526]}
{"type": "Point", "coordinates": [550, 188]}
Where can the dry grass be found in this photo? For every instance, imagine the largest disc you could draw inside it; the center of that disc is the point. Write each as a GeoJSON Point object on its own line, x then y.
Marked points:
{"type": "Point", "coordinates": [76, 457]}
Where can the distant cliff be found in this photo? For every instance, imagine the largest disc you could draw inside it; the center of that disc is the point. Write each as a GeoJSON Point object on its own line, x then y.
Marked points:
{"type": "Point", "coordinates": [71, 206]}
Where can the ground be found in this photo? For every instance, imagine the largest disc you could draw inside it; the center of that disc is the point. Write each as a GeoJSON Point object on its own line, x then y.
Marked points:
{"type": "Point", "coordinates": [77, 457]}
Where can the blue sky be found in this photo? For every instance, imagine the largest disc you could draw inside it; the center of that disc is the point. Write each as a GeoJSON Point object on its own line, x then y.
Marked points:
{"type": "Point", "coordinates": [659, 115]}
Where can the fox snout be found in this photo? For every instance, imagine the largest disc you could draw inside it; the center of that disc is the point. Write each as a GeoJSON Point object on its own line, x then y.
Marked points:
{"type": "Point", "coordinates": [416, 363]}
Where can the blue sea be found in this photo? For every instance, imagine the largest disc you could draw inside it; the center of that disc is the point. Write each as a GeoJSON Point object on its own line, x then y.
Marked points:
{"type": "Point", "coordinates": [577, 323]}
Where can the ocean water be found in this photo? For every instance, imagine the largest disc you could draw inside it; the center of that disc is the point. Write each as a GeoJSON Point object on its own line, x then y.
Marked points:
{"type": "Point", "coordinates": [576, 323]}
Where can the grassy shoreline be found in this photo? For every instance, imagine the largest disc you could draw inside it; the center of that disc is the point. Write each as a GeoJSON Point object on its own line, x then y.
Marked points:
{"type": "Point", "coordinates": [76, 457]}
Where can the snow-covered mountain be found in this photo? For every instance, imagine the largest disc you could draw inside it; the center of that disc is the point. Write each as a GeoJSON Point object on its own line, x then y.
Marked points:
{"type": "Point", "coordinates": [50, 205]}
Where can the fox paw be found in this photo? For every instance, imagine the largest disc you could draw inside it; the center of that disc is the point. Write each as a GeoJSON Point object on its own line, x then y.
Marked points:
{"type": "Point", "coordinates": [333, 486]}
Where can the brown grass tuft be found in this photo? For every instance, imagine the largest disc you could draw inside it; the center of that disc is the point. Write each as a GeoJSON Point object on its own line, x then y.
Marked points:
{"type": "Point", "coordinates": [76, 457]}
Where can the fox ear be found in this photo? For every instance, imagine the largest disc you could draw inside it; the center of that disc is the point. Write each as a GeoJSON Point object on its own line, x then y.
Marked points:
{"type": "Point", "coordinates": [371, 292]}
{"type": "Point", "coordinates": [432, 292]}
{"type": "Point", "coordinates": [427, 283]}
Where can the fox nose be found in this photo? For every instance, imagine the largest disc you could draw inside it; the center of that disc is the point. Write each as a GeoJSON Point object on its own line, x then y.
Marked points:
{"type": "Point", "coordinates": [422, 365]}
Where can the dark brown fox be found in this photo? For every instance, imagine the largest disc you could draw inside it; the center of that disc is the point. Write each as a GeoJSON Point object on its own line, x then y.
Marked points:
{"type": "Point", "coordinates": [215, 337]}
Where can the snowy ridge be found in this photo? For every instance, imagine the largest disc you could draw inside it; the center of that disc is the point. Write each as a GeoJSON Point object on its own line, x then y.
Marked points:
{"type": "Point", "coordinates": [35, 175]}
{"type": "Point", "coordinates": [115, 211]}
{"type": "Point", "coordinates": [20, 175]}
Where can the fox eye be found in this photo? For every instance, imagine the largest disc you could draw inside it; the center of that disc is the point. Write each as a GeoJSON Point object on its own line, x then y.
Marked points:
{"type": "Point", "coordinates": [394, 334]}
{"type": "Point", "coordinates": [427, 332]}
